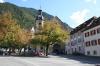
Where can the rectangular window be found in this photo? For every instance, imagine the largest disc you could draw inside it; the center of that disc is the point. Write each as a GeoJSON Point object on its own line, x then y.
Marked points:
{"type": "Point", "coordinates": [79, 48]}
{"type": "Point", "coordinates": [94, 42]}
{"type": "Point", "coordinates": [88, 43]}
{"type": "Point", "coordinates": [88, 52]}
{"type": "Point", "coordinates": [98, 30]}
{"type": "Point", "coordinates": [99, 41]}
{"type": "Point", "coordinates": [87, 34]}
{"type": "Point", "coordinates": [95, 52]}
{"type": "Point", "coordinates": [93, 32]}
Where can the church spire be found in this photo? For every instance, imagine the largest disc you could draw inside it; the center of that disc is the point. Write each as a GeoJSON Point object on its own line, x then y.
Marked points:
{"type": "Point", "coordinates": [39, 14]}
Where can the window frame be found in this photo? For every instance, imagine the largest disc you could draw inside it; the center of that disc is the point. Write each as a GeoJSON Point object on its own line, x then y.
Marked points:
{"type": "Point", "coordinates": [87, 34]}
{"type": "Point", "coordinates": [94, 42]}
{"type": "Point", "coordinates": [98, 41]}
{"type": "Point", "coordinates": [98, 30]}
{"type": "Point", "coordinates": [92, 32]}
{"type": "Point", "coordinates": [88, 43]}
{"type": "Point", "coordinates": [95, 52]}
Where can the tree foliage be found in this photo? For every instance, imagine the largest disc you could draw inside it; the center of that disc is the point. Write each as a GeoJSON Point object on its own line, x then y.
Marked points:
{"type": "Point", "coordinates": [12, 35]}
{"type": "Point", "coordinates": [52, 29]}
{"type": "Point", "coordinates": [51, 33]}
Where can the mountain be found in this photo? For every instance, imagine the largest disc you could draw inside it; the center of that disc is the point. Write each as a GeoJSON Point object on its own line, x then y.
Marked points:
{"type": "Point", "coordinates": [26, 16]}
{"type": "Point", "coordinates": [64, 25]}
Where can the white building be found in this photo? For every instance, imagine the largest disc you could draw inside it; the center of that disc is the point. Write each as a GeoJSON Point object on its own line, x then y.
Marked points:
{"type": "Point", "coordinates": [77, 40]}
{"type": "Point", "coordinates": [68, 48]}
{"type": "Point", "coordinates": [92, 39]}
{"type": "Point", "coordinates": [76, 43]}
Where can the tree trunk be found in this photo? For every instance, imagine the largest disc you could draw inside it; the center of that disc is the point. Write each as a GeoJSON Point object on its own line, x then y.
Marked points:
{"type": "Point", "coordinates": [47, 47]}
{"type": "Point", "coordinates": [19, 51]}
{"type": "Point", "coordinates": [24, 51]}
{"type": "Point", "coordinates": [9, 51]}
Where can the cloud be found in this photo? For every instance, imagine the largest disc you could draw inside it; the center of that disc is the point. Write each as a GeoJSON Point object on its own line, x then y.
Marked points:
{"type": "Point", "coordinates": [92, 1]}
{"type": "Point", "coordinates": [79, 16]}
{"type": "Point", "coordinates": [2, 1]}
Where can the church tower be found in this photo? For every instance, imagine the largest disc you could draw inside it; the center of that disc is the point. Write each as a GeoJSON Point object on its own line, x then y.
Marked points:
{"type": "Point", "coordinates": [39, 21]}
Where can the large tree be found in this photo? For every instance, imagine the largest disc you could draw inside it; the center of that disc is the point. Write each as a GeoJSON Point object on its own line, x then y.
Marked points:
{"type": "Point", "coordinates": [51, 33]}
{"type": "Point", "coordinates": [12, 35]}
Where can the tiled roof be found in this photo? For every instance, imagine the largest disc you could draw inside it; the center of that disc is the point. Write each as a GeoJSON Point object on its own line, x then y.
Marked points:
{"type": "Point", "coordinates": [85, 25]}
{"type": "Point", "coordinates": [95, 23]}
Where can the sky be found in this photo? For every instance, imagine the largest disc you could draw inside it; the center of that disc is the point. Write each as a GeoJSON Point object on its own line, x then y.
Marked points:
{"type": "Point", "coordinates": [72, 12]}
